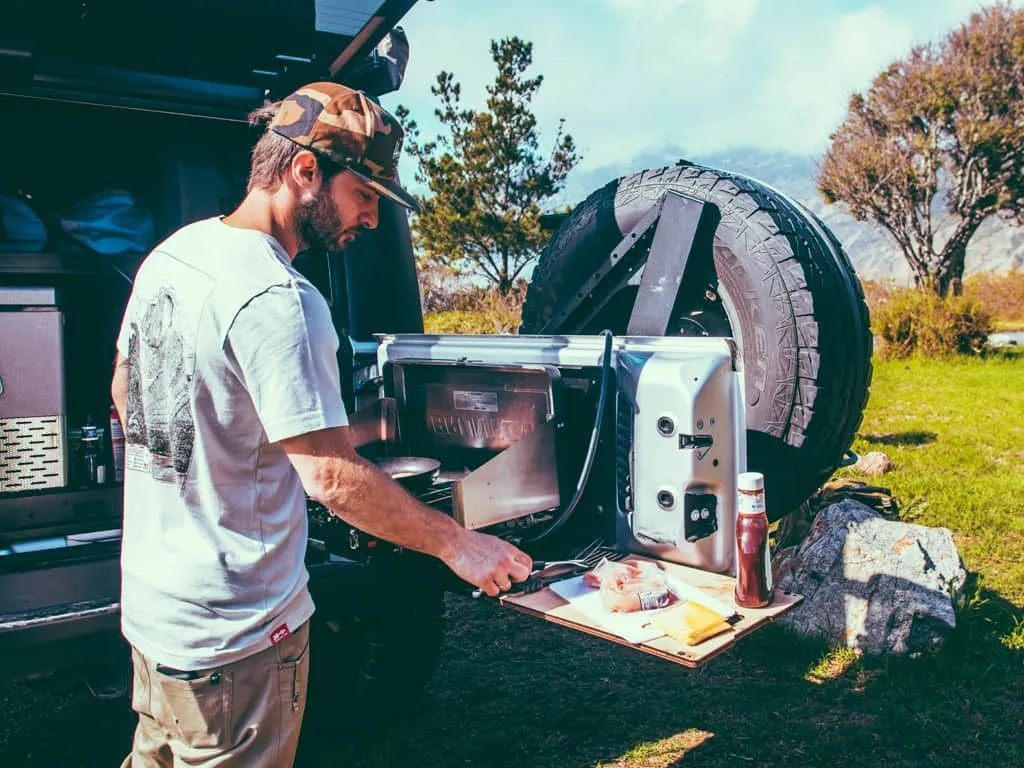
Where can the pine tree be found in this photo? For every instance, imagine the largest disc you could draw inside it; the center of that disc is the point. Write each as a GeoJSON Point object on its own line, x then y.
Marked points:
{"type": "Point", "coordinates": [486, 176]}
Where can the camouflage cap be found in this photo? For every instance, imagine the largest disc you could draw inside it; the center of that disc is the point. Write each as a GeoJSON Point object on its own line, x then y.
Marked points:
{"type": "Point", "coordinates": [348, 128]}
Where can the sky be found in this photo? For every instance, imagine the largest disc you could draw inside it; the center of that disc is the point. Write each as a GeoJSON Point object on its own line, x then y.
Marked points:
{"type": "Point", "coordinates": [641, 83]}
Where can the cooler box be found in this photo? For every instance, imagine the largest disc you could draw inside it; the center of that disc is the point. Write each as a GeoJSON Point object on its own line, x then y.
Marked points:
{"type": "Point", "coordinates": [33, 452]}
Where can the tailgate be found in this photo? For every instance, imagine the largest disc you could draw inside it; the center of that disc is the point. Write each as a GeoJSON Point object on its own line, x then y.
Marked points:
{"type": "Point", "coordinates": [210, 58]}
{"type": "Point", "coordinates": [715, 589]}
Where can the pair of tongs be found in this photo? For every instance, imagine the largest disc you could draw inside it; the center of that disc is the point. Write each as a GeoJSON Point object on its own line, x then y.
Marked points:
{"type": "Point", "coordinates": [587, 558]}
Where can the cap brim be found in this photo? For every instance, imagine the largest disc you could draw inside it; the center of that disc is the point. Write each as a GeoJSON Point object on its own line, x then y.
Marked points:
{"type": "Point", "coordinates": [391, 190]}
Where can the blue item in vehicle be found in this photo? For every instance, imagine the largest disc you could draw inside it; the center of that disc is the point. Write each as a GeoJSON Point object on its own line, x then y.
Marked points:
{"type": "Point", "coordinates": [111, 222]}
{"type": "Point", "coordinates": [20, 228]}
{"type": "Point", "coordinates": [37, 545]}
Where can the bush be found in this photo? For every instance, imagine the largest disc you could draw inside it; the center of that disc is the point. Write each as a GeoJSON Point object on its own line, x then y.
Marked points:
{"type": "Point", "coordinates": [437, 287]}
{"type": "Point", "coordinates": [911, 322]}
{"type": "Point", "coordinates": [477, 310]}
{"type": "Point", "coordinates": [456, 321]}
{"type": "Point", "coordinates": [1001, 294]}
{"type": "Point", "coordinates": [877, 291]}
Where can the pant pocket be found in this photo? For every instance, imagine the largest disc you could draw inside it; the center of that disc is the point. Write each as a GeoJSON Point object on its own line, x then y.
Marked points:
{"type": "Point", "coordinates": [140, 685]}
{"type": "Point", "coordinates": [196, 712]}
{"type": "Point", "coordinates": [294, 647]}
{"type": "Point", "coordinates": [292, 672]}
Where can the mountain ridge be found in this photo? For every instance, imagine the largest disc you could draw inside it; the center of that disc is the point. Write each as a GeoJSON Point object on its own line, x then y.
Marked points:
{"type": "Point", "coordinates": [997, 246]}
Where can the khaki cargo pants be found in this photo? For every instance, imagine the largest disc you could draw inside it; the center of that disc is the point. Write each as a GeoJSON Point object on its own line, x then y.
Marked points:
{"type": "Point", "coordinates": [247, 713]}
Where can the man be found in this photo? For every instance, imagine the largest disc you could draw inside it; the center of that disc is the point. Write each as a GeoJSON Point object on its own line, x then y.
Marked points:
{"type": "Point", "coordinates": [228, 385]}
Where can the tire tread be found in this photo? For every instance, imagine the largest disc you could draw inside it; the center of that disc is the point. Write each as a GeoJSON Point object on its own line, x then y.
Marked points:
{"type": "Point", "coordinates": [808, 270]}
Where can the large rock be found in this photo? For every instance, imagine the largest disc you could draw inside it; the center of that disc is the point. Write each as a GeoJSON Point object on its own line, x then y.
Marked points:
{"type": "Point", "coordinates": [873, 584]}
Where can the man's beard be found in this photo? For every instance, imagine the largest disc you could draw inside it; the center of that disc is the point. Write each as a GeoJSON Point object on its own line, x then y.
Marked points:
{"type": "Point", "coordinates": [319, 226]}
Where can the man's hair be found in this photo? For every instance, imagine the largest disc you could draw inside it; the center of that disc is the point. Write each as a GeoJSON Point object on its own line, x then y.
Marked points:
{"type": "Point", "coordinates": [273, 154]}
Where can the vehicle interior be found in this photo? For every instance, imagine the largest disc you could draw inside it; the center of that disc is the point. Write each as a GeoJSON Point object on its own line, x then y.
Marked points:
{"type": "Point", "coordinates": [537, 437]}
{"type": "Point", "coordinates": [98, 107]}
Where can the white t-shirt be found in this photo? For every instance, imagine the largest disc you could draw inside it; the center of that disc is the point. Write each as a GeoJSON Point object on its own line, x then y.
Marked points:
{"type": "Point", "coordinates": [230, 350]}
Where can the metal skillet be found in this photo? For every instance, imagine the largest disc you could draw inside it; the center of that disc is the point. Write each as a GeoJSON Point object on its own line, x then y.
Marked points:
{"type": "Point", "coordinates": [414, 473]}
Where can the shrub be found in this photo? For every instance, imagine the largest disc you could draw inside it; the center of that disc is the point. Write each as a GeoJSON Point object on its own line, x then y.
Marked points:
{"type": "Point", "coordinates": [1001, 294]}
{"type": "Point", "coordinates": [477, 310]}
{"type": "Point", "coordinates": [877, 291]}
{"type": "Point", "coordinates": [437, 287]}
{"type": "Point", "coordinates": [913, 322]}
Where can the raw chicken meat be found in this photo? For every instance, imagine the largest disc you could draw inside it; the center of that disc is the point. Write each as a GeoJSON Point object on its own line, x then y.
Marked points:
{"type": "Point", "coordinates": [630, 585]}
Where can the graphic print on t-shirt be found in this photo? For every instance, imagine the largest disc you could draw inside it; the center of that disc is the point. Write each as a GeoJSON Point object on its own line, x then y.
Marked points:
{"type": "Point", "coordinates": [159, 414]}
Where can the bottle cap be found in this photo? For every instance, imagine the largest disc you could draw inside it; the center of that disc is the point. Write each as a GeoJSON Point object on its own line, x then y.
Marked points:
{"type": "Point", "coordinates": [750, 481]}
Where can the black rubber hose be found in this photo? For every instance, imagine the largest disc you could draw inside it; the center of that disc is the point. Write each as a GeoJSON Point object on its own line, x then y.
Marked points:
{"type": "Point", "coordinates": [595, 436]}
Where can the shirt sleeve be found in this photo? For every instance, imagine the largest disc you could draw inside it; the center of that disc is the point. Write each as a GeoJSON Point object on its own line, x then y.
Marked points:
{"type": "Point", "coordinates": [285, 351]}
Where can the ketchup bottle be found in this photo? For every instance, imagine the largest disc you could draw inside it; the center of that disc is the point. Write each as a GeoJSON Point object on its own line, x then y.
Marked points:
{"type": "Point", "coordinates": [754, 588]}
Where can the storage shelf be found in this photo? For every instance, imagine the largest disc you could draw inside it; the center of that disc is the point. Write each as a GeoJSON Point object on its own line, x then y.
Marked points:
{"type": "Point", "coordinates": [80, 490]}
{"type": "Point", "coordinates": [54, 264]}
{"type": "Point", "coordinates": [56, 511]}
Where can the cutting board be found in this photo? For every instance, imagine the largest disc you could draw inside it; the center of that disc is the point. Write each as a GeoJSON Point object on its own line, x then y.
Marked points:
{"type": "Point", "coordinates": [548, 606]}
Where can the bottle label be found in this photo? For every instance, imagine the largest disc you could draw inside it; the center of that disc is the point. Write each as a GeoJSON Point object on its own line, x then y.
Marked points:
{"type": "Point", "coordinates": [751, 503]}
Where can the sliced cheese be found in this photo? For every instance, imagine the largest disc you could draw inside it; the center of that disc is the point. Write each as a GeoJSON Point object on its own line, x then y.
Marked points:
{"type": "Point", "coordinates": [689, 622]}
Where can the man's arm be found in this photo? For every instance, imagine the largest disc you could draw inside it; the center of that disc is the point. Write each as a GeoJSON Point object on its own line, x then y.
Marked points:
{"type": "Point", "coordinates": [358, 492]}
{"type": "Point", "coordinates": [283, 347]}
{"type": "Point", "coordinates": [119, 387]}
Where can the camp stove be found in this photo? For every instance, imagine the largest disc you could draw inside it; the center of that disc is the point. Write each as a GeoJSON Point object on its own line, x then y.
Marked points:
{"type": "Point", "coordinates": [513, 419]}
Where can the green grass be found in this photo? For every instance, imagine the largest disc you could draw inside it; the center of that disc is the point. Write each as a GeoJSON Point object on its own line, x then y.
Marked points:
{"type": "Point", "coordinates": [955, 431]}
{"type": "Point", "coordinates": [512, 691]}
{"type": "Point", "coordinates": [832, 664]}
{"type": "Point", "coordinates": [1007, 325]}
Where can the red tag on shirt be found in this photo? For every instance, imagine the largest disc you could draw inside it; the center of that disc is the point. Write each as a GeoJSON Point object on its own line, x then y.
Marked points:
{"type": "Point", "coordinates": [279, 634]}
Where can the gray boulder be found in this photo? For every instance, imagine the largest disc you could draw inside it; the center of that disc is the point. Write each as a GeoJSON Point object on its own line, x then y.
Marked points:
{"type": "Point", "coordinates": [873, 584]}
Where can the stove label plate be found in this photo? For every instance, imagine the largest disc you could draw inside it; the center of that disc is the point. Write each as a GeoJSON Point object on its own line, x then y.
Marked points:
{"type": "Point", "coordinates": [464, 400]}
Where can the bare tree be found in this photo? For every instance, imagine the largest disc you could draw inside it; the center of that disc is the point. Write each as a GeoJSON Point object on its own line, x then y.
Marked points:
{"type": "Point", "coordinates": [944, 125]}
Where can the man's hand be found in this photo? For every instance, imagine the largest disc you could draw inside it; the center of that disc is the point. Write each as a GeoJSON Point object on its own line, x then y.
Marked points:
{"type": "Point", "coordinates": [488, 562]}
{"type": "Point", "coordinates": [359, 493]}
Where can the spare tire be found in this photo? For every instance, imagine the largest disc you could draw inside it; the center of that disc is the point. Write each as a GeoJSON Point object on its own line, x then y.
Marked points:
{"type": "Point", "coordinates": [777, 281]}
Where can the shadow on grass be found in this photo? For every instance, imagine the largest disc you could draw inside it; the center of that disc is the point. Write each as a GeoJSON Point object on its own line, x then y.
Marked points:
{"type": "Point", "coordinates": [1014, 352]}
{"type": "Point", "coordinates": [512, 691]}
{"type": "Point", "coordinates": [900, 438]}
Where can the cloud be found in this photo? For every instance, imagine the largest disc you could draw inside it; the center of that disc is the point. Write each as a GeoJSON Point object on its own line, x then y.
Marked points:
{"type": "Point", "coordinates": [610, 69]}
{"type": "Point", "coordinates": [633, 91]}
{"type": "Point", "coordinates": [804, 97]}
{"type": "Point", "coordinates": [640, 80]}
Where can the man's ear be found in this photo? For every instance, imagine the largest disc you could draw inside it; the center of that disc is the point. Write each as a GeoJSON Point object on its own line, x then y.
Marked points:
{"type": "Point", "coordinates": [304, 169]}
